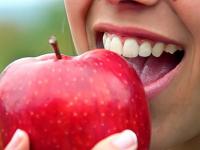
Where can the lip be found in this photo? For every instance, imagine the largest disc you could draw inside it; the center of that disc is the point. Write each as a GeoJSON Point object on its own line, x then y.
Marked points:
{"type": "Point", "coordinates": [159, 85]}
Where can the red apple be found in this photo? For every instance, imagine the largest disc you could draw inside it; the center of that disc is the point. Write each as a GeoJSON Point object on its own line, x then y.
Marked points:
{"type": "Point", "coordinates": [71, 103]}
{"type": "Point", "coordinates": [1, 147]}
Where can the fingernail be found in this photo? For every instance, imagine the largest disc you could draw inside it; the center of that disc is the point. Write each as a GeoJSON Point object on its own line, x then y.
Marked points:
{"type": "Point", "coordinates": [126, 139]}
{"type": "Point", "coordinates": [16, 139]}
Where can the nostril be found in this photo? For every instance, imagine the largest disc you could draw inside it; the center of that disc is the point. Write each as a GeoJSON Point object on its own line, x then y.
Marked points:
{"type": "Point", "coordinates": [130, 2]}
{"type": "Point", "coordinates": [127, 1]}
{"type": "Point", "coordinates": [121, 1]}
{"type": "Point", "coordinates": [142, 2]}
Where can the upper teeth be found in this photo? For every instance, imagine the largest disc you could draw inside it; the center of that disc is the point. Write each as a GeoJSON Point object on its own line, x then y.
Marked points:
{"type": "Point", "coordinates": [131, 48]}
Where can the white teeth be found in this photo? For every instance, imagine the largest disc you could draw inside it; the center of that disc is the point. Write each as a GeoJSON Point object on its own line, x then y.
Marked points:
{"type": "Point", "coordinates": [116, 45]}
{"type": "Point", "coordinates": [107, 43]}
{"type": "Point", "coordinates": [130, 48]}
{"type": "Point", "coordinates": [145, 49]}
{"type": "Point", "coordinates": [158, 49]}
{"type": "Point", "coordinates": [171, 48]}
{"type": "Point", "coordinates": [104, 38]}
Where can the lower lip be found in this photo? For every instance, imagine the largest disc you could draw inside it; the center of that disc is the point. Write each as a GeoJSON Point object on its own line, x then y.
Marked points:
{"type": "Point", "coordinates": [156, 87]}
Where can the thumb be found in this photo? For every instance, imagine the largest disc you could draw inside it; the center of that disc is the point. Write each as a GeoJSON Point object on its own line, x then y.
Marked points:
{"type": "Point", "coordinates": [19, 141]}
{"type": "Point", "coordinates": [126, 140]}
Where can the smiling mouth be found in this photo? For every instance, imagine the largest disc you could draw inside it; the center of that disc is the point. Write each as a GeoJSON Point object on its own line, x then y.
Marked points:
{"type": "Point", "coordinates": [155, 59]}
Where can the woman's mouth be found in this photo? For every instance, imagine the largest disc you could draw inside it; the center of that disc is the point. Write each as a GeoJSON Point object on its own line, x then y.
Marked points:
{"type": "Point", "coordinates": [156, 59]}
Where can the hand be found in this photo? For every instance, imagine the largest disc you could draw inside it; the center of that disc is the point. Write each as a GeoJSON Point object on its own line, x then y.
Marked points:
{"type": "Point", "coordinates": [125, 140]}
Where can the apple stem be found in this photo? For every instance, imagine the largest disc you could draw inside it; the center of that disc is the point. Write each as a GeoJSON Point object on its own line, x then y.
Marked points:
{"type": "Point", "coordinates": [54, 44]}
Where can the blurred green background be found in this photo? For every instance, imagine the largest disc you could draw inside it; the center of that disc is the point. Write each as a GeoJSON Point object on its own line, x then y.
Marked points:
{"type": "Point", "coordinates": [26, 25]}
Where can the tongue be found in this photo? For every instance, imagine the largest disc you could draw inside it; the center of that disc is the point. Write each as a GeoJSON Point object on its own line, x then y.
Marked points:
{"type": "Point", "coordinates": [152, 68]}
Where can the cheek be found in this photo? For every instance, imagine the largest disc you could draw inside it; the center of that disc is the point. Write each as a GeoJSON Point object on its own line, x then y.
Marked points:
{"type": "Point", "coordinates": [77, 13]}
{"type": "Point", "coordinates": [189, 13]}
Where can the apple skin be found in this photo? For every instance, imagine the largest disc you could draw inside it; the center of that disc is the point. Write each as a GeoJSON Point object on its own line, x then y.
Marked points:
{"type": "Point", "coordinates": [74, 102]}
{"type": "Point", "coordinates": [1, 147]}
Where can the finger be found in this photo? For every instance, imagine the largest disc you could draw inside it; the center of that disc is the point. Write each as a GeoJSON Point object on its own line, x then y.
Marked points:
{"type": "Point", "coordinates": [125, 140]}
{"type": "Point", "coordinates": [19, 141]}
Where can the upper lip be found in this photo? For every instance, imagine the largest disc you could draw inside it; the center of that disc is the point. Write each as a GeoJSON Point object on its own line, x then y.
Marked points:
{"type": "Point", "coordinates": [133, 32]}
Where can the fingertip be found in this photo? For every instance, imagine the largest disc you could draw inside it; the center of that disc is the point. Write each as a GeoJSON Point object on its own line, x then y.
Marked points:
{"type": "Point", "coordinates": [125, 140]}
{"type": "Point", "coordinates": [20, 141]}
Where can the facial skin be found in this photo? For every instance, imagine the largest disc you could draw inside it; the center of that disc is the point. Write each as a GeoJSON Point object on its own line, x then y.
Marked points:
{"type": "Point", "coordinates": [175, 110]}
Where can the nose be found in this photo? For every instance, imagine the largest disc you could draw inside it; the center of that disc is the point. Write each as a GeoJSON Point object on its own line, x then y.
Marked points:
{"type": "Point", "coordinates": [143, 2]}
